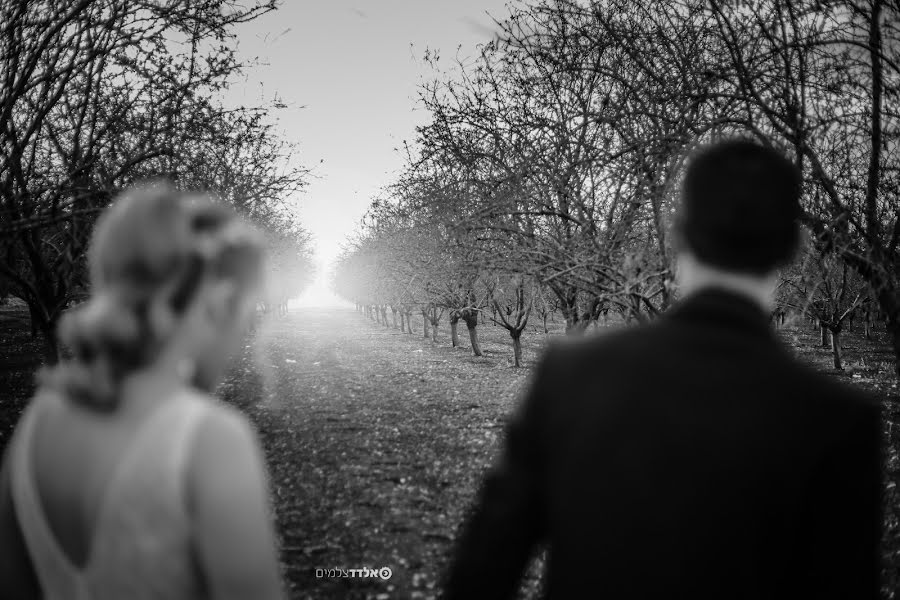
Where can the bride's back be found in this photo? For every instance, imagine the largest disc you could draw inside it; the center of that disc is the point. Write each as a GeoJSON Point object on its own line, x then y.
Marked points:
{"type": "Point", "coordinates": [102, 501]}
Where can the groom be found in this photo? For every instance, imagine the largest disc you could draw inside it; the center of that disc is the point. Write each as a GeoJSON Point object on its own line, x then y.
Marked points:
{"type": "Point", "coordinates": [694, 457]}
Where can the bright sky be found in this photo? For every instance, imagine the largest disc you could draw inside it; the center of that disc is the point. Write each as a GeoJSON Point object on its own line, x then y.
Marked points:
{"type": "Point", "coordinates": [349, 71]}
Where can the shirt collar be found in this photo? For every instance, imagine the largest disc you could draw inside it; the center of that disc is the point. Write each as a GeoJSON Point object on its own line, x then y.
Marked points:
{"type": "Point", "coordinates": [723, 308]}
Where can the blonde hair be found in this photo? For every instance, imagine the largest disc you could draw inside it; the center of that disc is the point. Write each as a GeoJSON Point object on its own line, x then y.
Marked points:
{"type": "Point", "coordinates": [153, 244]}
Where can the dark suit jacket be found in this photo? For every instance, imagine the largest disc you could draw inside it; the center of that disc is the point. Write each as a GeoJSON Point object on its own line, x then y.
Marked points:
{"type": "Point", "coordinates": [690, 458]}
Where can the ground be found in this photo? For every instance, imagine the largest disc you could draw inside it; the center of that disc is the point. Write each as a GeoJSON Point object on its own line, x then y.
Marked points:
{"type": "Point", "coordinates": [376, 440]}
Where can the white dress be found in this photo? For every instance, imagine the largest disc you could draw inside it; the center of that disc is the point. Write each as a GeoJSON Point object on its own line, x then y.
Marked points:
{"type": "Point", "coordinates": [141, 546]}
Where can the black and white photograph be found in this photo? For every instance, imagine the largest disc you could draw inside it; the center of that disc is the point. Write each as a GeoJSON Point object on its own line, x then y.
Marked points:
{"type": "Point", "coordinates": [449, 299]}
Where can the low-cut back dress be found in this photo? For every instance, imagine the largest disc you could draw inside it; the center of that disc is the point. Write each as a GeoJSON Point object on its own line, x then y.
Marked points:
{"type": "Point", "coordinates": [141, 546]}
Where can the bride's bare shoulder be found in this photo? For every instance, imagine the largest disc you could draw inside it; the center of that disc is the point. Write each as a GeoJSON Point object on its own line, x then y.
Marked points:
{"type": "Point", "coordinates": [223, 432]}
{"type": "Point", "coordinates": [226, 461]}
{"type": "Point", "coordinates": [218, 414]}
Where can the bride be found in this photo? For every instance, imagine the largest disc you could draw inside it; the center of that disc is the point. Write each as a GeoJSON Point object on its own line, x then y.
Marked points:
{"type": "Point", "coordinates": [125, 477]}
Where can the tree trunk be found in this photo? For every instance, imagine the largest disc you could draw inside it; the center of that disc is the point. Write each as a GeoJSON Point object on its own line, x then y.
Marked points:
{"type": "Point", "coordinates": [568, 305]}
{"type": "Point", "coordinates": [571, 323]}
{"type": "Point", "coordinates": [577, 327]}
{"type": "Point", "coordinates": [454, 335]}
{"type": "Point", "coordinates": [544, 318]}
{"type": "Point", "coordinates": [425, 326]}
{"type": "Point", "coordinates": [51, 344]}
{"type": "Point", "coordinates": [893, 328]}
{"type": "Point", "coordinates": [473, 336]}
{"type": "Point", "coordinates": [889, 304]}
{"type": "Point", "coordinates": [836, 349]}
{"type": "Point", "coordinates": [33, 320]}
{"type": "Point", "coordinates": [434, 329]}
{"type": "Point", "coordinates": [517, 347]}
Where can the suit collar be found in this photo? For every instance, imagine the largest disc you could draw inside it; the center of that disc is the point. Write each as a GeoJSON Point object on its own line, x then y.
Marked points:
{"type": "Point", "coordinates": [722, 308]}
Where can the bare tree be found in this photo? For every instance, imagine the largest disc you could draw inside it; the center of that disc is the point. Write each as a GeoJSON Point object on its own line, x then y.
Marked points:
{"type": "Point", "coordinates": [95, 96]}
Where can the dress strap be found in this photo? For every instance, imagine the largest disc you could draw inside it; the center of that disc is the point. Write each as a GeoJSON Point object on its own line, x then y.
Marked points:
{"type": "Point", "coordinates": [179, 437]}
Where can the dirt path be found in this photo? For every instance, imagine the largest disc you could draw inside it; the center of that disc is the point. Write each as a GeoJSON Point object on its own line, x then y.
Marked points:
{"type": "Point", "coordinates": [375, 441]}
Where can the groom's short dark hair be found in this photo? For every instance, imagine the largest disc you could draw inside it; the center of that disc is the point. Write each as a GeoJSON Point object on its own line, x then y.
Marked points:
{"type": "Point", "coordinates": [740, 207]}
